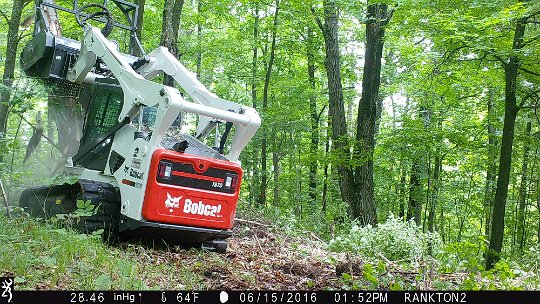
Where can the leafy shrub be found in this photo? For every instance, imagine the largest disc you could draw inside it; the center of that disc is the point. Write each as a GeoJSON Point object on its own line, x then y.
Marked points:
{"type": "Point", "coordinates": [463, 255]}
{"type": "Point", "coordinates": [396, 240]}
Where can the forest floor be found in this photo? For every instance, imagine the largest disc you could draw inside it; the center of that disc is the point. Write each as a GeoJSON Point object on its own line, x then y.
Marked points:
{"type": "Point", "coordinates": [259, 257]}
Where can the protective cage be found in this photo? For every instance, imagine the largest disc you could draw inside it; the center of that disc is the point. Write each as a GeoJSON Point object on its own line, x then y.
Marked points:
{"type": "Point", "coordinates": [101, 117]}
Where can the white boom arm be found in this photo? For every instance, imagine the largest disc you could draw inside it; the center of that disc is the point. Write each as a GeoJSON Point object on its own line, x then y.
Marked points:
{"type": "Point", "coordinates": [161, 60]}
{"type": "Point", "coordinates": [140, 91]}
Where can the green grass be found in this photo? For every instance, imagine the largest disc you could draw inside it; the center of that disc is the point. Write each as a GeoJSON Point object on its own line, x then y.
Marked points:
{"type": "Point", "coordinates": [42, 256]}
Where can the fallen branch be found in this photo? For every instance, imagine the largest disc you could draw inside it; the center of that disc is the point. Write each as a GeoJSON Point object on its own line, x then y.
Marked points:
{"type": "Point", "coordinates": [313, 235]}
{"type": "Point", "coordinates": [258, 243]}
{"type": "Point", "coordinates": [385, 259]}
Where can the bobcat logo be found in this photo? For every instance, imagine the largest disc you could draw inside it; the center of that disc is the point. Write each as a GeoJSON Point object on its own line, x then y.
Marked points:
{"type": "Point", "coordinates": [172, 202]}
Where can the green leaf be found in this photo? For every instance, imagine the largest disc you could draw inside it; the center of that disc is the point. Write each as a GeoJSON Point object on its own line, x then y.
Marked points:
{"type": "Point", "coordinates": [80, 204]}
{"type": "Point", "coordinates": [346, 276]}
{"type": "Point", "coordinates": [19, 280]}
{"type": "Point", "coordinates": [98, 232]}
{"type": "Point", "coordinates": [49, 261]}
{"type": "Point", "coordinates": [396, 286]}
{"type": "Point", "coordinates": [103, 282]}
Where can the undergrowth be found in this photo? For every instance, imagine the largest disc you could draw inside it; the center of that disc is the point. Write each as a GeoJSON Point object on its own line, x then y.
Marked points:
{"type": "Point", "coordinates": [40, 255]}
{"type": "Point", "coordinates": [393, 255]}
{"type": "Point", "coordinates": [396, 247]}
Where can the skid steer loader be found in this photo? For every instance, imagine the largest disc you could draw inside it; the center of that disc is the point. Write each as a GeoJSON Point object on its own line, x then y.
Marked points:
{"type": "Point", "coordinates": [140, 179]}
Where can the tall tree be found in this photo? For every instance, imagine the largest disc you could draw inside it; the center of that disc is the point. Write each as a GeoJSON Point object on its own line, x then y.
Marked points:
{"type": "Point", "coordinates": [414, 208]}
{"type": "Point", "coordinates": [511, 72]}
{"type": "Point", "coordinates": [491, 173]}
{"type": "Point", "coordinates": [364, 207]}
{"type": "Point", "coordinates": [268, 75]}
{"type": "Point", "coordinates": [314, 145]}
{"type": "Point", "coordinates": [140, 22]}
{"type": "Point", "coordinates": [336, 107]}
{"type": "Point", "coordinates": [523, 188]}
{"type": "Point", "coordinates": [9, 66]}
{"type": "Point", "coordinates": [356, 181]}
{"type": "Point", "coordinates": [172, 9]}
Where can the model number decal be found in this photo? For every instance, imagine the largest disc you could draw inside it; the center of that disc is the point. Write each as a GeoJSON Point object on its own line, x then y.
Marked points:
{"type": "Point", "coordinates": [217, 185]}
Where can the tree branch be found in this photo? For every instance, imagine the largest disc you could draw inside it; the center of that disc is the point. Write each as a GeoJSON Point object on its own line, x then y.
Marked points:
{"type": "Point", "coordinates": [320, 113]}
{"type": "Point", "coordinates": [5, 16]}
{"type": "Point", "coordinates": [499, 58]}
{"type": "Point", "coordinates": [388, 16]}
{"type": "Point", "coordinates": [42, 135]}
{"type": "Point", "coordinates": [529, 71]}
{"type": "Point", "coordinates": [24, 35]}
{"type": "Point", "coordinates": [317, 19]}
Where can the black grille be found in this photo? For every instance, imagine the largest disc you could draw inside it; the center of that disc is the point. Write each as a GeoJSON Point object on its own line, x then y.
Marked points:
{"type": "Point", "coordinates": [213, 179]}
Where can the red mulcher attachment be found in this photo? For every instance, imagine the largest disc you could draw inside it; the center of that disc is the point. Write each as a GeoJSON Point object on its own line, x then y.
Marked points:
{"type": "Point", "coordinates": [190, 190]}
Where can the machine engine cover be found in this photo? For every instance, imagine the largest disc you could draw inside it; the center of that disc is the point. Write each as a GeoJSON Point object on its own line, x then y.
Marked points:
{"type": "Point", "coordinates": [191, 190]}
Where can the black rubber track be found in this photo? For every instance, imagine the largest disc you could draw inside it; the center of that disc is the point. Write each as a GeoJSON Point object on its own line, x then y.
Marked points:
{"type": "Point", "coordinates": [106, 199]}
{"type": "Point", "coordinates": [49, 201]}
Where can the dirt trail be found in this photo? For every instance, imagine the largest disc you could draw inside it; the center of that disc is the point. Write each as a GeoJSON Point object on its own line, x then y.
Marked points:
{"type": "Point", "coordinates": [258, 258]}
{"type": "Point", "coordinates": [278, 262]}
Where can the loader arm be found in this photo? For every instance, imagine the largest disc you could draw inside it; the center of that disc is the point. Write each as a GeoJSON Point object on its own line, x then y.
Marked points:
{"type": "Point", "coordinates": [140, 91]}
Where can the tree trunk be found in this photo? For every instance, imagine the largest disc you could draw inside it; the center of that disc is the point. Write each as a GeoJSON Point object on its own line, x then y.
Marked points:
{"type": "Point", "coordinates": [140, 22]}
{"type": "Point", "coordinates": [168, 38]}
{"type": "Point", "coordinates": [277, 171]}
{"type": "Point", "coordinates": [364, 207]}
{"type": "Point", "coordinates": [435, 190]}
{"type": "Point", "coordinates": [505, 161]}
{"type": "Point", "coordinates": [336, 107]}
{"type": "Point", "coordinates": [356, 187]}
{"type": "Point", "coordinates": [199, 46]}
{"type": "Point", "coordinates": [325, 171]}
{"type": "Point", "coordinates": [9, 67]}
{"type": "Point", "coordinates": [176, 16]}
{"type": "Point", "coordinates": [314, 146]}
{"type": "Point", "coordinates": [414, 209]}
{"type": "Point", "coordinates": [523, 189]}
{"type": "Point", "coordinates": [491, 174]}
{"type": "Point", "coordinates": [140, 18]}
{"type": "Point", "coordinates": [264, 173]}
{"type": "Point", "coordinates": [255, 178]}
